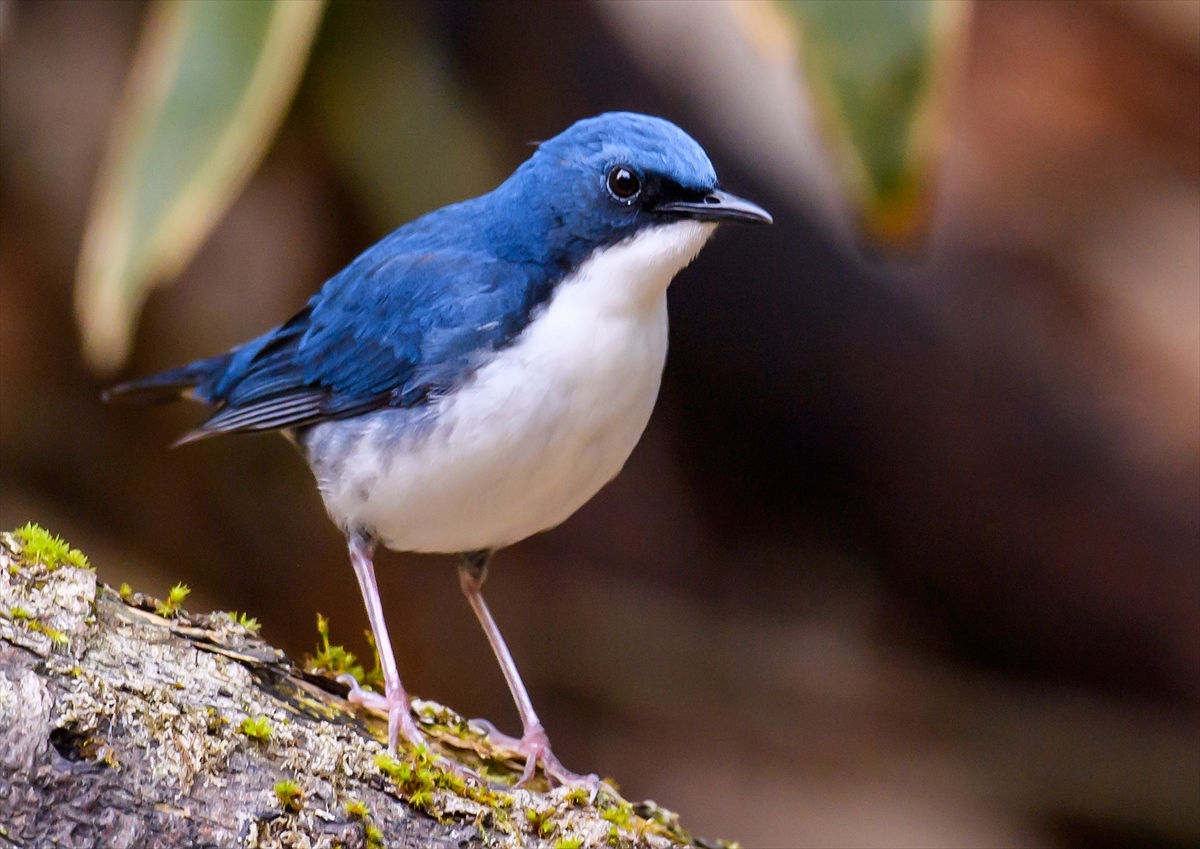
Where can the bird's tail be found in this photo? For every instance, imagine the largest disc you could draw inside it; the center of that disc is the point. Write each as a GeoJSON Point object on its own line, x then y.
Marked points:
{"type": "Point", "coordinates": [171, 385]}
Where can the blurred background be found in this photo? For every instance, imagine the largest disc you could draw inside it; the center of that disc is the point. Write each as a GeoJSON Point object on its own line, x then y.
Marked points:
{"type": "Point", "coordinates": [910, 552]}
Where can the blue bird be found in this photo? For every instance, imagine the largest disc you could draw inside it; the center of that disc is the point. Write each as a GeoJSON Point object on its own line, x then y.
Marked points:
{"type": "Point", "coordinates": [477, 375]}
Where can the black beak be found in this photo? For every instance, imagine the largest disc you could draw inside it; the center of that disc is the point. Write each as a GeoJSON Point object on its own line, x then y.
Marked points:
{"type": "Point", "coordinates": [718, 206]}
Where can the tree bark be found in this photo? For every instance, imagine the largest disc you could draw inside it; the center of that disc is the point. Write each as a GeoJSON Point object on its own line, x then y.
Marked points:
{"type": "Point", "coordinates": [121, 727]}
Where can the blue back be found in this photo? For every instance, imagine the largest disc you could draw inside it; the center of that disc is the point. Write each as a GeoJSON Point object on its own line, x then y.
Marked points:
{"type": "Point", "coordinates": [415, 314]}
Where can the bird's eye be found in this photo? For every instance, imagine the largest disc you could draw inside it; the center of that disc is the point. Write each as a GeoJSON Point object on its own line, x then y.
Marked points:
{"type": "Point", "coordinates": [623, 183]}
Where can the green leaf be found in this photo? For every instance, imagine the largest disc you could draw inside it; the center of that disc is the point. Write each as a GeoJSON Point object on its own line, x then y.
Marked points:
{"type": "Point", "coordinates": [877, 70]}
{"type": "Point", "coordinates": [210, 84]}
{"type": "Point", "coordinates": [399, 125]}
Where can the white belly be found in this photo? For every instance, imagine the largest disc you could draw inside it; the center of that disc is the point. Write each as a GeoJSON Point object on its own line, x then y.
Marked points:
{"type": "Point", "coordinates": [538, 430]}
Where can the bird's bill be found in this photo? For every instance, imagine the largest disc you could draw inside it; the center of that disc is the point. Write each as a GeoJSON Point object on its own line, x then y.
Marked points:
{"type": "Point", "coordinates": [719, 206]}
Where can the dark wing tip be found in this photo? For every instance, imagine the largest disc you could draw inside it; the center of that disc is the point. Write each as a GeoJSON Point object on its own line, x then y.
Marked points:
{"type": "Point", "coordinates": [194, 435]}
{"type": "Point", "coordinates": [145, 391]}
{"type": "Point", "coordinates": [292, 409]}
{"type": "Point", "coordinates": [162, 387]}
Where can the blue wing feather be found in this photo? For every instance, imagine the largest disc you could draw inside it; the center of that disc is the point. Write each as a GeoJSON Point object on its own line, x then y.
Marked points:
{"type": "Point", "coordinates": [390, 330]}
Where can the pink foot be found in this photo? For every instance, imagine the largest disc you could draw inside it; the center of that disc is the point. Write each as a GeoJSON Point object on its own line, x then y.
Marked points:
{"type": "Point", "coordinates": [396, 707]}
{"type": "Point", "coordinates": [400, 720]}
{"type": "Point", "coordinates": [534, 746]}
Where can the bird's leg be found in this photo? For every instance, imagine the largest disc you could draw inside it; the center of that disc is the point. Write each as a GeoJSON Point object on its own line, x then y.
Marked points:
{"type": "Point", "coordinates": [534, 745]}
{"type": "Point", "coordinates": [395, 700]}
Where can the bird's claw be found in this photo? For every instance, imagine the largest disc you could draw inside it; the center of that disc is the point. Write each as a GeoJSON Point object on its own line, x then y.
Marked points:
{"type": "Point", "coordinates": [396, 706]}
{"type": "Point", "coordinates": [398, 712]}
{"type": "Point", "coordinates": [359, 696]}
{"type": "Point", "coordinates": [534, 746]}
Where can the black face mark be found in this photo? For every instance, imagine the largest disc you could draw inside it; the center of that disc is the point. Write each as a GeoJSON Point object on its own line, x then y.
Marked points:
{"type": "Point", "coordinates": [666, 199]}
{"type": "Point", "coordinates": [660, 190]}
{"type": "Point", "coordinates": [623, 183]}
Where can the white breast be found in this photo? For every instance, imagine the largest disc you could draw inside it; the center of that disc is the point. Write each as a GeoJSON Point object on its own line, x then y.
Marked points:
{"type": "Point", "coordinates": [538, 429]}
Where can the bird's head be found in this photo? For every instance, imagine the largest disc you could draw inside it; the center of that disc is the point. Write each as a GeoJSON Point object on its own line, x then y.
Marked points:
{"type": "Point", "coordinates": [607, 178]}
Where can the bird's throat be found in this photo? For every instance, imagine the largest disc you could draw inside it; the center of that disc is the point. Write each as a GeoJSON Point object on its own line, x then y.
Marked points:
{"type": "Point", "coordinates": [634, 273]}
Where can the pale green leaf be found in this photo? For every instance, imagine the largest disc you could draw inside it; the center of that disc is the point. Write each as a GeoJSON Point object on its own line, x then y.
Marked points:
{"type": "Point", "coordinates": [877, 70]}
{"type": "Point", "coordinates": [399, 125]}
{"type": "Point", "coordinates": [210, 84]}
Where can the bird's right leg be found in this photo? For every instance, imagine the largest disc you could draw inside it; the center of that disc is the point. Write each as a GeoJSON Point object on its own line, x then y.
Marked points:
{"type": "Point", "coordinates": [395, 700]}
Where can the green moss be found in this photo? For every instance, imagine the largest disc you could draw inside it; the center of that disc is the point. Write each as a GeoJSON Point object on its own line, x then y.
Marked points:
{"type": "Point", "coordinates": [257, 728]}
{"type": "Point", "coordinates": [422, 800]}
{"type": "Point", "coordinates": [421, 774]}
{"type": "Point", "coordinates": [568, 843]}
{"type": "Point", "coordinates": [173, 605]}
{"type": "Point", "coordinates": [659, 820]}
{"type": "Point", "coordinates": [374, 837]}
{"type": "Point", "coordinates": [20, 614]}
{"type": "Point", "coordinates": [579, 797]}
{"type": "Point", "coordinates": [333, 660]}
{"type": "Point", "coordinates": [540, 821]}
{"type": "Point", "coordinates": [290, 796]}
{"type": "Point", "coordinates": [39, 546]}
{"type": "Point", "coordinates": [58, 637]}
{"type": "Point", "coordinates": [246, 621]}
{"type": "Point", "coordinates": [617, 814]}
{"type": "Point", "coordinates": [392, 768]}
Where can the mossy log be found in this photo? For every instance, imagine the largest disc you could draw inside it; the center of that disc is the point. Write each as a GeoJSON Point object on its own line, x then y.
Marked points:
{"type": "Point", "coordinates": [127, 722]}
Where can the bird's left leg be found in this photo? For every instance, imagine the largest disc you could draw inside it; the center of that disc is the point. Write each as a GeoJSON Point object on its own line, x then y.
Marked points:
{"type": "Point", "coordinates": [533, 744]}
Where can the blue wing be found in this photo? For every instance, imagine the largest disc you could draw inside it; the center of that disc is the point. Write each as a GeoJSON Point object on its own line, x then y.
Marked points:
{"type": "Point", "coordinates": [392, 329]}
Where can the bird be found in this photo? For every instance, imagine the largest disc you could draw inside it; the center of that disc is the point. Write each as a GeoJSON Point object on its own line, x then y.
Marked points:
{"type": "Point", "coordinates": [477, 375]}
